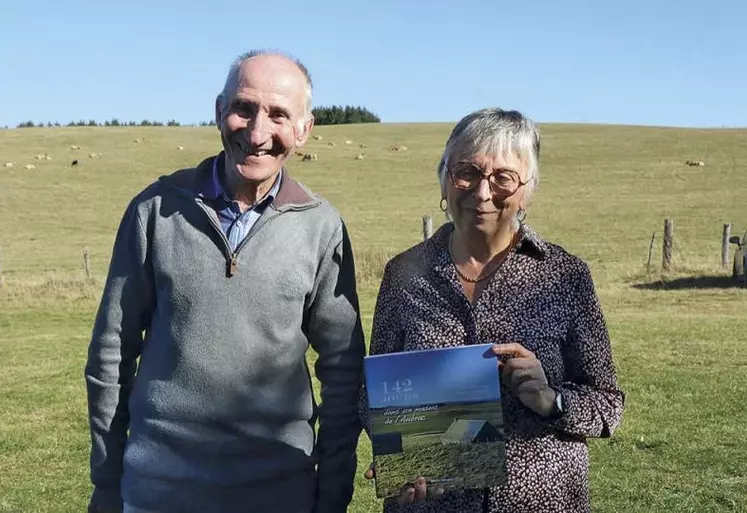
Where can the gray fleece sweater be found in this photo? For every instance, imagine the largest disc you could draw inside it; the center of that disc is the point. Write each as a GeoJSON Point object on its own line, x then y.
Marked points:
{"type": "Point", "coordinates": [218, 413]}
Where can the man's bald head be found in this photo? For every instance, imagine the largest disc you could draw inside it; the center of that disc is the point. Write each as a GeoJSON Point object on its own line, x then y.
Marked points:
{"type": "Point", "coordinates": [234, 74]}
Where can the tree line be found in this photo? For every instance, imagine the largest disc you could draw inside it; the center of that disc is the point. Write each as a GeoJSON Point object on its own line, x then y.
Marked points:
{"type": "Point", "coordinates": [111, 122]}
{"type": "Point", "coordinates": [339, 115]}
{"type": "Point", "coordinates": [332, 115]}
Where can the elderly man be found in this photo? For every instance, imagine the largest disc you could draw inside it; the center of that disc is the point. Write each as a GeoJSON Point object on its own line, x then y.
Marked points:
{"type": "Point", "coordinates": [220, 279]}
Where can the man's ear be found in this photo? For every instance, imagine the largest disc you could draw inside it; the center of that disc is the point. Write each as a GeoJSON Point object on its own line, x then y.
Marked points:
{"type": "Point", "coordinates": [305, 132]}
{"type": "Point", "coordinates": [218, 110]}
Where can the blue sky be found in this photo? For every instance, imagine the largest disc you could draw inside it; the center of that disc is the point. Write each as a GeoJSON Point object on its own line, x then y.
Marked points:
{"type": "Point", "coordinates": [665, 62]}
{"type": "Point", "coordinates": [412, 378]}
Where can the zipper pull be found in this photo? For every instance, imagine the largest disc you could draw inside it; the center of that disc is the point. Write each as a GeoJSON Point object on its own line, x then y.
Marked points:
{"type": "Point", "coordinates": [232, 266]}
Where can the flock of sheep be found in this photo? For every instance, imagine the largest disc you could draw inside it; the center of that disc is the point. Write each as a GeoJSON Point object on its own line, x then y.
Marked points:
{"type": "Point", "coordinates": [74, 162]}
{"type": "Point", "coordinates": [309, 157]}
{"type": "Point", "coordinates": [305, 157]}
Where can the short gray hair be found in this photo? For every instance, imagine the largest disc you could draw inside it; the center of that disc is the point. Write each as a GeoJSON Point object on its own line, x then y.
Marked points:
{"type": "Point", "coordinates": [494, 132]}
{"type": "Point", "coordinates": [232, 79]}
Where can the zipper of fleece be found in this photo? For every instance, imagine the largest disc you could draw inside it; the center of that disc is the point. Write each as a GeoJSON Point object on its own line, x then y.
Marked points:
{"type": "Point", "coordinates": [232, 256]}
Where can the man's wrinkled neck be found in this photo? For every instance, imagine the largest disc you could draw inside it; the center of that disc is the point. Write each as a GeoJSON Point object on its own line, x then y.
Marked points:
{"type": "Point", "coordinates": [244, 192]}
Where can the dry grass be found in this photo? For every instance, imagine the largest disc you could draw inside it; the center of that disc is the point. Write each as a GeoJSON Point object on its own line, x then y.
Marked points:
{"type": "Point", "coordinates": [678, 337]}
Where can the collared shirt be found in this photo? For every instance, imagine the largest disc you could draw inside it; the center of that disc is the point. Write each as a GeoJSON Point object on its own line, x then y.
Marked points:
{"type": "Point", "coordinates": [235, 224]}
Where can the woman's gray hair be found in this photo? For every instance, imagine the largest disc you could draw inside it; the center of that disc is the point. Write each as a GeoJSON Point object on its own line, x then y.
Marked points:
{"type": "Point", "coordinates": [494, 132]}
{"type": "Point", "coordinates": [232, 79]}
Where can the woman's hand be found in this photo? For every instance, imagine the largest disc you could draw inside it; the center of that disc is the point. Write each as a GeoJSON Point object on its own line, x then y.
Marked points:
{"type": "Point", "coordinates": [411, 492]}
{"type": "Point", "coordinates": [526, 379]}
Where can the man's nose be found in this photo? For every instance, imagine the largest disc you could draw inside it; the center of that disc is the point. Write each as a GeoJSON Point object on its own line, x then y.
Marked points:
{"type": "Point", "coordinates": [257, 129]}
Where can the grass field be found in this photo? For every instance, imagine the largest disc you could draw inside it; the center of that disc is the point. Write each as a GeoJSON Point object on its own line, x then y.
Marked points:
{"type": "Point", "coordinates": [679, 340]}
{"type": "Point", "coordinates": [455, 465]}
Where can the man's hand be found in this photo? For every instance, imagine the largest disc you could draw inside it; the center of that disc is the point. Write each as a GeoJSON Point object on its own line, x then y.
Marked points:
{"type": "Point", "coordinates": [411, 492]}
{"type": "Point", "coordinates": [526, 379]}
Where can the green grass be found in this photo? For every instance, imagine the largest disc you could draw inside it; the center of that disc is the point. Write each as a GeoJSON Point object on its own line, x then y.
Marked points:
{"type": "Point", "coordinates": [678, 339]}
{"type": "Point", "coordinates": [455, 466]}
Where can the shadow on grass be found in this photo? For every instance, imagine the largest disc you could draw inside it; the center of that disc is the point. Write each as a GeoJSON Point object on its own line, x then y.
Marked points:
{"type": "Point", "coordinates": [691, 282]}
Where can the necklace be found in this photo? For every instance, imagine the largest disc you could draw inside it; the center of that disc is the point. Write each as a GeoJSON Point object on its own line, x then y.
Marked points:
{"type": "Point", "coordinates": [467, 278]}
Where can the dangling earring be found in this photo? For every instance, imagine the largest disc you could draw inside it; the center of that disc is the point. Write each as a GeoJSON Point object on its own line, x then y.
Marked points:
{"type": "Point", "coordinates": [443, 205]}
{"type": "Point", "coordinates": [521, 215]}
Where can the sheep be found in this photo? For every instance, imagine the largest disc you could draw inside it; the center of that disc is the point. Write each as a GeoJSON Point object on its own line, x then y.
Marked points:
{"type": "Point", "coordinates": [309, 157]}
{"type": "Point", "coordinates": [9, 164]}
{"type": "Point", "coordinates": [360, 156]}
{"type": "Point", "coordinates": [30, 166]}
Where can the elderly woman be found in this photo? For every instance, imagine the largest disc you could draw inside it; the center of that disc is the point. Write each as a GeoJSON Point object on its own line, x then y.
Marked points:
{"type": "Point", "coordinates": [487, 277]}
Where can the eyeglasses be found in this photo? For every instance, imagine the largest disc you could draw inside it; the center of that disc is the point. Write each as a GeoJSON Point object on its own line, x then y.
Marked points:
{"type": "Point", "coordinates": [467, 176]}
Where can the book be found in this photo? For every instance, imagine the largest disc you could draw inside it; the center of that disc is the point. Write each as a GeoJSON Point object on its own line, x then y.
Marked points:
{"type": "Point", "coordinates": [436, 413]}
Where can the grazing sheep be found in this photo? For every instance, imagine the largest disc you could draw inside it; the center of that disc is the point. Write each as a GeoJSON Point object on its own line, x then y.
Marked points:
{"type": "Point", "coordinates": [309, 157]}
{"type": "Point", "coordinates": [9, 164]}
{"type": "Point", "coordinates": [348, 141]}
{"type": "Point", "coordinates": [697, 163]}
{"type": "Point", "coordinates": [298, 153]}
{"type": "Point", "coordinates": [360, 156]}
{"type": "Point", "coordinates": [398, 147]}
{"type": "Point", "coordinates": [74, 147]}
{"type": "Point", "coordinates": [180, 148]}
{"type": "Point", "coordinates": [317, 137]}
{"type": "Point", "coordinates": [39, 157]}
{"type": "Point", "coordinates": [94, 155]}
{"type": "Point", "coordinates": [74, 163]}
{"type": "Point", "coordinates": [30, 166]}
{"type": "Point", "coordinates": [362, 146]}
{"type": "Point", "coordinates": [47, 157]}
{"type": "Point", "coordinates": [139, 140]}
{"type": "Point", "coordinates": [331, 144]}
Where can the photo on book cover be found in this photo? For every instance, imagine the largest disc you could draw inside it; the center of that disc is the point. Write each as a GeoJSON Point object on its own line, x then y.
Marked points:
{"type": "Point", "coordinates": [437, 414]}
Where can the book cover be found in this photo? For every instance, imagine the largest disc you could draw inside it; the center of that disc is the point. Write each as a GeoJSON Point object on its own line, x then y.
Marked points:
{"type": "Point", "coordinates": [436, 414]}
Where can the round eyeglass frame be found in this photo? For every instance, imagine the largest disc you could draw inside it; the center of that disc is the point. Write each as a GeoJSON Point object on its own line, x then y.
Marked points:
{"type": "Point", "coordinates": [503, 193]}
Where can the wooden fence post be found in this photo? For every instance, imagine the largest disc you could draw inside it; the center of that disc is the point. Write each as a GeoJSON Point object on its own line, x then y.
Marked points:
{"type": "Point", "coordinates": [87, 263]}
{"type": "Point", "coordinates": [427, 227]}
{"type": "Point", "coordinates": [725, 245]}
{"type": "Point", "coordinates": [650, 251]}
{"type": "Point", "coordinates": [666, 257]}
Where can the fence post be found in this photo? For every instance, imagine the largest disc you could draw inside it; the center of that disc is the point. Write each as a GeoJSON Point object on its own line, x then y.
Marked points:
{"type": "Point", "coordinates": [725, 245]}
{"type": "Point", "coordinates": [427, 227]}
{"type": "Point", "coordinates": [666, 257]}
{"type": "Point", "coordinates": [87, 263]}
{"type": "Point", "coordinates": [650, 251]}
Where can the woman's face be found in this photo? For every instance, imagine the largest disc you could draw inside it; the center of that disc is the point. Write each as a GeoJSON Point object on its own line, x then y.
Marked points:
{"type": "Point", "coordinates": [490, 206]}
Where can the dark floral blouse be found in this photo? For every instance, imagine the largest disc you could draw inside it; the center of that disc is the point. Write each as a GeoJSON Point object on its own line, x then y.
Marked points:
{"type": "Point", "coordinates": [543, 298]}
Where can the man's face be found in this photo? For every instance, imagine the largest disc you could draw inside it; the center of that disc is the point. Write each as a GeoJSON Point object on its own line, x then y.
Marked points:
{"type": "Point", "coordinates": [265, 118]}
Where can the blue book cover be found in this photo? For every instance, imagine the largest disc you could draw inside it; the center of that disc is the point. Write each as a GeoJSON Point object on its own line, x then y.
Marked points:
{"type": "Point", "coordinates": [436, 414]}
